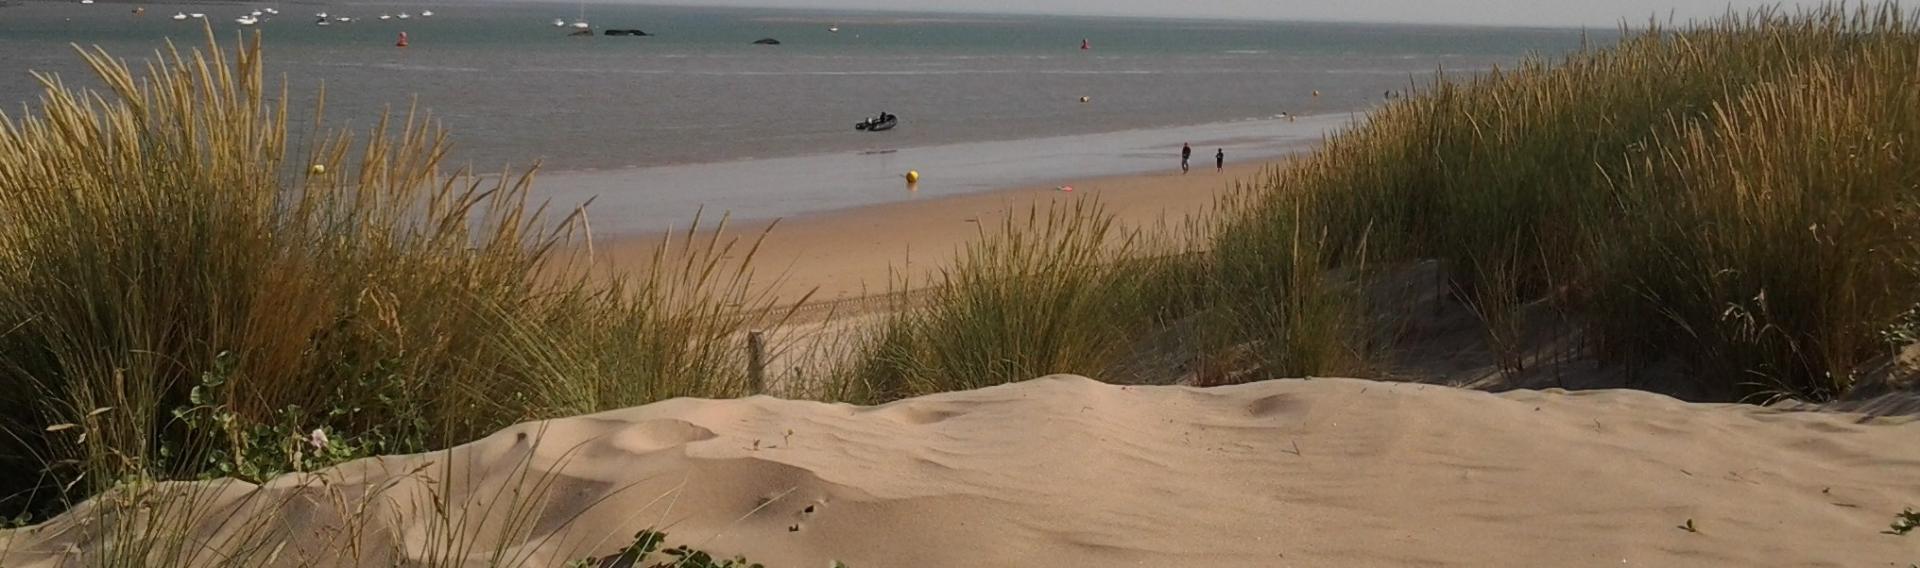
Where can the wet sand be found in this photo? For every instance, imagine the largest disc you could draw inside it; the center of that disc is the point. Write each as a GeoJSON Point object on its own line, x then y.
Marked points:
{"type": "Point", "coordinates": [627, 202]}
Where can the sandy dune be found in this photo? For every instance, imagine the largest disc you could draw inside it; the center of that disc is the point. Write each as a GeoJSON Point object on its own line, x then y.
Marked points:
{"type": "Point", "coordinates": [1064, 471]}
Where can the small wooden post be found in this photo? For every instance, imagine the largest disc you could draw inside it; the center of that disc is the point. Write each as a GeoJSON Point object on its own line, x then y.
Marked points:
{"type": "Point", "coordinates": [757, 362]}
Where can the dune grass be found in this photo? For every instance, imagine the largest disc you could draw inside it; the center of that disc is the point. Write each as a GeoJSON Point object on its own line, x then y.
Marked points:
{"type": "Point", "coordinates": [183, 294]}
{"type": "Point", "coordinates": [179, 299]}
{"type": "Point", "coordinates": [1059, 290]}
{"type": "Point", "coordinates": [1735, 196]}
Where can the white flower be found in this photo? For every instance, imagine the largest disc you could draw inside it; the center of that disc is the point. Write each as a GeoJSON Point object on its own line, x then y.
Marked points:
{"type": "Point", "coordinates": [318, 439]}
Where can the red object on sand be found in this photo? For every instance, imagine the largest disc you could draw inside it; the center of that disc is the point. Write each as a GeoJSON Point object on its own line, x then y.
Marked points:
{"type": "Point", "coordinates": [403, 40]}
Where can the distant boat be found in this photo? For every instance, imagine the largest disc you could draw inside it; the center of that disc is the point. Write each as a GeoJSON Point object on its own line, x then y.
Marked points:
{"type": "Point", "coordinates": [179, 16]}
{"type": "Point", "coordinates": [257, 13]}
{"type": "Point", "coordinates": [834, 29]}
{"type": "Point", "coordinates": [559, 23]}
{"type": "Point", "coordinates": [343, 19]}
{"type": "Point", "coordinates": [322, 15]}
{"type": "Point", "coordinates": [246, 20]}
{"type": "Point", "coordinates": [322, 22]}
{"type": "Point", "coordinates": [86, 1]}
{"type": "Point", "coordinates": [580, 21]}
{"type": "Point", "coordinates": [198, 16]}
{"type": "Point", "coordinates": [404, 15]}
{"type": "Point", "coordinates": [386, 16]}
{"type": "Point", "coordinates": [272, 12]}
{"type": "Point", "coordinates": [139, 10]}
{"type": "Point", "coordinates": [426, 13]}
{"type": "Point", "coordinates": [881, 123]}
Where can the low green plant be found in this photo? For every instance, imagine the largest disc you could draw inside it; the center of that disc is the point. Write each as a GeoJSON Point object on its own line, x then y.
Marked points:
{"type": "Point", "coordinates": [648, 544]}
{"type": "Point", "coordinates": [1905, 522]}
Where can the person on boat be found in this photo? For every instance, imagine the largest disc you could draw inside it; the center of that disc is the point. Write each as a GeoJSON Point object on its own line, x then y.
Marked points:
{"type": "Point", "coordinates": [1220, 159]}
{"type": "Point", "coordinates": [1186, 154]}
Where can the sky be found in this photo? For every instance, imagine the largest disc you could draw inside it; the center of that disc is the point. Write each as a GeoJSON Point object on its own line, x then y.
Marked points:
{"type": "Point", "coordinates": [1556, 13]}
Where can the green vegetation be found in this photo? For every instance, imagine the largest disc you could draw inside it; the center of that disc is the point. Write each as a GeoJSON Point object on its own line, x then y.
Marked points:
{"type": "Point", "coordinates": [1904, 523]}
{"type": "Point", "coordinates": [1736, 200]}
{"type": "Point", "coordinates": [1053, 292]}
{"type": "Point", "coordinates": [647, 545]}
{"type": "Point", "coordinates": [179, 298]}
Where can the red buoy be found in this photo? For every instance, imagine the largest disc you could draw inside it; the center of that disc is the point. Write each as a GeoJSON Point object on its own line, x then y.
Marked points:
{"type": "Point", "coordinates": [403, 40]}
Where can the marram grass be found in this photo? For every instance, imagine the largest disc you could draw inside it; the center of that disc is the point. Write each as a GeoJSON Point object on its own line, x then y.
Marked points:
{"type": "Point", "coordinates": [181, 292]}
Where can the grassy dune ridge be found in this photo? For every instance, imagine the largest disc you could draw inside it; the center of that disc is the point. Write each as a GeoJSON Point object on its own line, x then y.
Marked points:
{"type": "Point", "coordinates": [183, 298]}
{"type": "Point", "coordinates": [184, 295]}
{"type": "Point", "coordinates": [1734, 200]}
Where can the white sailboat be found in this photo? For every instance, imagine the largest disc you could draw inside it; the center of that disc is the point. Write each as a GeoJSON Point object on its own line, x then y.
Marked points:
{"type": "Point", "coordinates": [426, 13]}
{"type": "Point", "coordinates": [559, 23]}
{"type": "Point", "coordinates": [177, 16]}
{"type": "Point", "coordinates": [198, 16]}
{"type": "Point", "coordinates": [386, 16]}
{"type": "Point", "coordinates": [580, 22]}
{"type": "Point", "coordinates": [246, 20]}
{"type": "Point", "coordinates": [404, 15]}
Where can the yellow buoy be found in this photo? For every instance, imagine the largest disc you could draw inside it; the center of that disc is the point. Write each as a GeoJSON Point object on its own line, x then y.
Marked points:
{"type": "Point", "coordinates": [318, 169]}
{"type": "Point", "coordinates": [913, 176]}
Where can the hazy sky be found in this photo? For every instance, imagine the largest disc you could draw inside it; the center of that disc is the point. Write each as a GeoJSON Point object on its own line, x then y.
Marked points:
{"type": "Point", "coordinates": [1603, 13]}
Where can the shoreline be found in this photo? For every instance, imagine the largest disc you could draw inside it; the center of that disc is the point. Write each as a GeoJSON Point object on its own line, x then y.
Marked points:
{"type": "Point", "coordinates": [856, 252]}
{"type": "Point", "coordinates": [647, 201]}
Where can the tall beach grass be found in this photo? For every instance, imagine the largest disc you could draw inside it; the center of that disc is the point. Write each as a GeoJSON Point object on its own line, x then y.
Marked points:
{"type": "Point", "coordinates": [185, 294]}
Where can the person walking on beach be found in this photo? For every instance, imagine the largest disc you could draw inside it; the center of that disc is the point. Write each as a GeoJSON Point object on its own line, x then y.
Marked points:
{"type": "Point", "coordinates": [1186, 153]}
{"type": "Point", "coordinates": [1219, 159]}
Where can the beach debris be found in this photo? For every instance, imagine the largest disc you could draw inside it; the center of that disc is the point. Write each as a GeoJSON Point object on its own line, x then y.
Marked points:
{"type": "Point", "coordinates": [1086, 99]}
{"type": "Point", "coordinates": [1689, 527]}
{"type": "Point", "coordinates": [766, 41]}
{"type": "Point", "coordinates": [1065, 188]}
{"type": "Point", "coordinates": [317, 169]}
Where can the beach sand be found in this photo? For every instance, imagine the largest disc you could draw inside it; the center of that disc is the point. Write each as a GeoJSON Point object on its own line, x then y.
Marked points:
{"type": "Point", "coordinates": [858, 252]}
{"type": "Point", "coordinates": [1065, 471]}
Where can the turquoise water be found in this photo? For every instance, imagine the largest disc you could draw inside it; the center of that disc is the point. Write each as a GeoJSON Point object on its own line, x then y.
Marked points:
{"type": "Point", "coordinates": [515, 89]}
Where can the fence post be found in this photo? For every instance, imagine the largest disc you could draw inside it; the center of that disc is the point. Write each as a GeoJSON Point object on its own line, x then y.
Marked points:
{"type": "Point", "coordinates": [757, 362]}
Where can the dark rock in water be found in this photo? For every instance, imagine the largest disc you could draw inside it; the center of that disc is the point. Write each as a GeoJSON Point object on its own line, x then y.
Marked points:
{"type": "Point", "coordinates": [767, 41]}
{"type": "Point", "coordinates": [634, 33]}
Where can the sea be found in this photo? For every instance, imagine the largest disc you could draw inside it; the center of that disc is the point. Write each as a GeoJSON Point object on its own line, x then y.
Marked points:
{"type": "Point", "coordinates": [697, 116]}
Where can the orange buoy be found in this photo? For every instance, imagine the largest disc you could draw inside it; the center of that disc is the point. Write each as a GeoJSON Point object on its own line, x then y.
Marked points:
{"type": "Point", "coordinates": [403, 40]}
